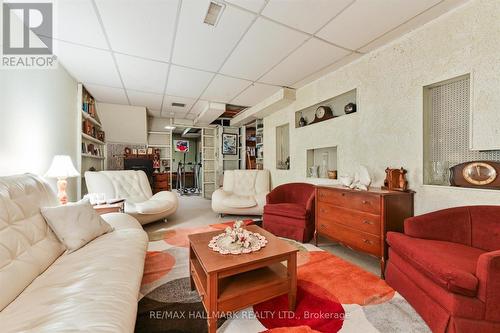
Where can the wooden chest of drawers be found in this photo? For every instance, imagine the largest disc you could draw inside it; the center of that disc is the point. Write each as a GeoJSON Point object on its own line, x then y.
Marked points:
{"type": "Point", "coordinates": [361, 219]}
{"type": "Point", "coordinates": [161, 182]}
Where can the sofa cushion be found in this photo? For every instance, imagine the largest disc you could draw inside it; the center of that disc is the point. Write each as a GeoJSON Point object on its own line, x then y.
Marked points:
{"type": "Point", "coordinates": [27, 244]}
{"type": "Point", "coordinates": [75, 224]}
{"type": "Point", "coordinates": [148, 207]}
{"type": "Point", "coordinates": [286, 209]}
{"type": "Point", "coordinates": [239, 201]}
{"type": "Point", "coordinates": [450, 265]}
{"type": "Point", "coordinates": [94, 289]}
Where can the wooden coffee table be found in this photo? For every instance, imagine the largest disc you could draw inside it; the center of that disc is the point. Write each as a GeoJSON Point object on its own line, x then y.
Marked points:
{"type": "Point", "coordinates": [233, 282]}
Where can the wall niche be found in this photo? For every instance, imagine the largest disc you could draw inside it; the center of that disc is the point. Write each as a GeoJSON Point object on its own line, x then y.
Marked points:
{"type": "Point", "coordinates": [335, 107]}
{"type": "Point", "coordinates": [321, 162]}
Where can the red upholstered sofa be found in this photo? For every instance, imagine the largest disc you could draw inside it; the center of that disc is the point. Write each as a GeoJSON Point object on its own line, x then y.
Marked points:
{"type": "Point", "coordinates": [289, 211]}
{"type": "Point", "coordinates": [447, 265]}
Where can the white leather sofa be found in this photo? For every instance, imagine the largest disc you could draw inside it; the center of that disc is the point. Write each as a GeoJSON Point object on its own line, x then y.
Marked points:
{"type": "Point", "coordinates": [42, 289]}
{"type": "Point", "coordinates": [133, 186]}
{"type": "Point", "coordinates": [243, 192]}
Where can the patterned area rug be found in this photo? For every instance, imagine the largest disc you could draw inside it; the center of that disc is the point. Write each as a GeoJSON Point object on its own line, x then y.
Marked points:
{"type": "Point", "coordinates": [333, 295]}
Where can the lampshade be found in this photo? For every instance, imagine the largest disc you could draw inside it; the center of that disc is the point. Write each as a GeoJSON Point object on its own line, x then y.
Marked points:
{"type": "Point", "coordinates": [62, 167]}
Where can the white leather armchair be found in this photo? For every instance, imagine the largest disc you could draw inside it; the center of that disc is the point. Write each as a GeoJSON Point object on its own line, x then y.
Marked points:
{"type": "Point", "coordinates": [133, 186]}
{"type": "Point", "coordinates": [243, 192]}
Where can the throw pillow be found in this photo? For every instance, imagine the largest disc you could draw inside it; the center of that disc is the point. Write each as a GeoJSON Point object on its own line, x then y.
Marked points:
{"type": "Point", "coordinates": [75, 224]}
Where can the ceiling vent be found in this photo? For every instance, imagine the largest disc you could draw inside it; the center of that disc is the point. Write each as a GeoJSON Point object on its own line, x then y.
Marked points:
{"type": "Point", "coordinates": [179, 105]}
{"type": "Point", "coordinates": [214, 13]}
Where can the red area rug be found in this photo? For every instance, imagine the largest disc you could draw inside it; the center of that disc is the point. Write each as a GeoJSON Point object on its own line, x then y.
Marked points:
{"type": "Point", "coordinates": [316, 308]}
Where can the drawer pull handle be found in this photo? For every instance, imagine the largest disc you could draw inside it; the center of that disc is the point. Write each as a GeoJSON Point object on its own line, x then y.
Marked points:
{"type": "Point", "coordinates": [343, 194]}
{"type": "Point", "coordinates": [367, 241]}
{"type": "Point", "coordinates": [367, 222]}
{"type": "Point", "coordinates": [365, 202]}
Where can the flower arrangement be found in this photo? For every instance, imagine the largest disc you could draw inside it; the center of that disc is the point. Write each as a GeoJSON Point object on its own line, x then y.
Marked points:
{"type": "Point", "coordinates": [237, 240]}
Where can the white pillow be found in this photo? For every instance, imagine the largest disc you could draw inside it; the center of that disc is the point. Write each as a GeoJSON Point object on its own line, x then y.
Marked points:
{"type": "Point", "coordinates": [75, 224]}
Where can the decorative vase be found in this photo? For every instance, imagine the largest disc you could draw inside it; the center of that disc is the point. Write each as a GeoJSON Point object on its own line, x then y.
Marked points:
{"type": "Point", "coordinates": [323, 170]}
{"type": "Point", "coordinates": [313, 171]}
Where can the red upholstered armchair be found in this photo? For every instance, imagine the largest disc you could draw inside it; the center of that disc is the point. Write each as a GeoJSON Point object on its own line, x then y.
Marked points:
{"type": "Point", "coordinates": [289, 211]}
{"type": "Point", "coordinates": [447, 265]}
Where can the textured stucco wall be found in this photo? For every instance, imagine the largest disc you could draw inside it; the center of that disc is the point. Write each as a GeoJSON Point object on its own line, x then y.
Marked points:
{"type": "Point", "coordinates": [387, 129]}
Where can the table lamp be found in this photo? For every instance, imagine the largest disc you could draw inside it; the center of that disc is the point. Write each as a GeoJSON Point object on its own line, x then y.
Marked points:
{"type": "Point", "coordinates": [62, 168]}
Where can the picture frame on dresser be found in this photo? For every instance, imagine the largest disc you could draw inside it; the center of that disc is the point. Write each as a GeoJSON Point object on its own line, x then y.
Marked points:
{"type": "Point", "coordinates": [360, 220]}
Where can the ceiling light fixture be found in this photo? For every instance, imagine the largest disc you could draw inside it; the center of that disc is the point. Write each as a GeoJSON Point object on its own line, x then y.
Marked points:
{"type": "Point", "coordinates": [214, 13]}
{"type": "Point", "coordinates": [170, 128]}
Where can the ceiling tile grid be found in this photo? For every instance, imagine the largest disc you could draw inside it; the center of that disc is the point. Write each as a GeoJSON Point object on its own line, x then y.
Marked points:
{"type": "Point", "coordinates": [222, 89]}
{"type": "Point", "coordinates": [366, 20]}
{"type": "Point", "coordinates": [203, 46]}
{"type": "Point", "coordinates": [256, 47]}
{"type": "Point", "coordinates": [89, 65]}
{"type": "Point", "coordinates": [254, 94]}
{"type": "Point", "coordinates": [149, 100]}
{"type": "Point", "coordinates": [292, 13]}
{"type": "Point", "coordinates": [143, 75]}
{"type": "Point", "coordinates": [186, 82]}
{"type": "Point", "coordinates": [140, 27]}
{"type": "Point", "coordinates": [264, 45]}
{"type": "Point", "coordinates": [308, 58]}
{"type": "Point", "coordinates": [168, 108]}
{"type": "Point", "coordinates": [107, 94]}
{"type": "Point", "coordinates": [76, 21]}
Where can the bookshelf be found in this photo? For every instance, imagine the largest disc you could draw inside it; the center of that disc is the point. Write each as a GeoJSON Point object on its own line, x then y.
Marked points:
{"type": "Point", "coordinates": [91, 148]}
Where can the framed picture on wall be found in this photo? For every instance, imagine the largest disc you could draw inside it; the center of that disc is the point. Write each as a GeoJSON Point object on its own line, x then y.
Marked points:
{"type": "Point", "coordinates": [229, 144]}
{"type": "Point", "coordinates": [181, 146]}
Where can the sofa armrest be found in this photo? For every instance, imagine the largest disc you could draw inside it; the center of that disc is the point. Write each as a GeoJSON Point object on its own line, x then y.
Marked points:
{"type": "Point", "coordinates": [488, 273]}
{"type": "Point", "coordinates": [451, 225]}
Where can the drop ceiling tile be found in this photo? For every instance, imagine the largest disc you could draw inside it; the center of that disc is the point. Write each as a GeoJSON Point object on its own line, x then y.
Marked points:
{"type": "Point", "coordinates": [77, 22]}
{"type": "Point", "coordinates": [309, 58]}
{"type": "Point", "coordinates": [265, 44]}
{"type": "Point", "coordinates": [168, 107]}
{"type": "Point", "coordinates": [154, 113]}
{"type": "Point", "coordinates": [253, 5]}
{"type": "Point", "coordinates": [326, 70]}
{"type": "Point", "coordinates": [432, 13]}
{"type": "Point", "coordinates": [88, 65]}
{"type": "Point", "coordinates": [223, 89]}
{"type": "Point", "coordinates": [292, 13]}
{"type": "Point", "coordinates": [199, 107]}
{"type": "Point", "coordinates": [139, 98]}
{"type": "Point", "coordinates": [190, 116]}
{"type": "Point", "coordinates": [187, 82]}
{"type": "Point", "coordinates": [254, 94]}
{"type": "Point", "coordinates": [140, 74]}
{"type": "Point", "coordinates": [180, 115]}
{"type": "Point", "coordinates": [107, 94]}
{"type": "Point", "coordinates": [202, 46]}
{"type": "Point", "coordinates": [366, 20]}
{"type": "Point", "coordinates": [143, 28]}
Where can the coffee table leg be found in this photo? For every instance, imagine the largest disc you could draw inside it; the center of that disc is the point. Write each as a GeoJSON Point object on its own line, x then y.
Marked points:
{"type": "Point", "coordinates": [292, 274]}
{"type": "Point", "coordinates": [212, 293]}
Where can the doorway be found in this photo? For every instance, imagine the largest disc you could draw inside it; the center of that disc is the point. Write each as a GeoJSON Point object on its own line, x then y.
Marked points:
{"type": "Point", "coordinates": [187, 160]}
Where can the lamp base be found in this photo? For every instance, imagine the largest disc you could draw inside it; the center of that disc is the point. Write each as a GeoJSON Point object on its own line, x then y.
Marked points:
{"type": "Point", "coordinates": [61, 191]}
